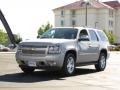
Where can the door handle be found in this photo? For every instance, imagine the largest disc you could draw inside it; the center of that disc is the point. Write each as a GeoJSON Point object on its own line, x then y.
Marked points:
{"type": "Point", "coordinates": [90, 45]}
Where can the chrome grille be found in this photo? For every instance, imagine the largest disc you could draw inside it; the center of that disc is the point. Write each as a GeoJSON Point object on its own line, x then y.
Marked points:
{"type": "Point", "coordinates": [30, 46]}
{"type": "Point", "coordinates": [36, 50]}
{"type": "Point", "coordinates": [33, 51]}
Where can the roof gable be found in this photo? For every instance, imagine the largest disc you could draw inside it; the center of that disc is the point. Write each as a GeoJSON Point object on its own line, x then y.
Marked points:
{"type": "Point", "coordinates": [78, 5]}
{"type": "Point", "coordinates": [113, 4]}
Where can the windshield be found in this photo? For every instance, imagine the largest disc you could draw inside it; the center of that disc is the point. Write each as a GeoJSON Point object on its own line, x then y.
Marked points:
{"type": "Point", "coordinates": [61, 33]}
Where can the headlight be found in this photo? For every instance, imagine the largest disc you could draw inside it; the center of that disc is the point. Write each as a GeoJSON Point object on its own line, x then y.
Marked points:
{"type": "Point", "coordinates": [55, 49]}
{"type": "Point", "coordinates": [19, 48]}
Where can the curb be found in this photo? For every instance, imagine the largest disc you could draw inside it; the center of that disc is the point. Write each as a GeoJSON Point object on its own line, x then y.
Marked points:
{"type": "Point", "coordinates": [7, 52]}
{"type": "Point", "coordinates": [115, 52]}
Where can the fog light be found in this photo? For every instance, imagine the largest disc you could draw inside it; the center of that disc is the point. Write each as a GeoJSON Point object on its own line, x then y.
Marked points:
{"type": "Point", "coordinates": [52, 63]}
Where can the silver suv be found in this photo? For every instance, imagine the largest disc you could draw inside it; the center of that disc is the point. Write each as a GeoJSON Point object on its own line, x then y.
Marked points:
{"type": "Point", "coordinates": [63, 49]}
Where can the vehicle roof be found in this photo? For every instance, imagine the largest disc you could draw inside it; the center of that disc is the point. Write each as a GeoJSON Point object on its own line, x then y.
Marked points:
{"type": "Point", "coordinates": [87, 28]}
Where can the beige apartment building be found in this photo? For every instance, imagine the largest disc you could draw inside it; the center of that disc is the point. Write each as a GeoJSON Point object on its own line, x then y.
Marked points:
{"type": "Point", "coordinates": [102, 15]}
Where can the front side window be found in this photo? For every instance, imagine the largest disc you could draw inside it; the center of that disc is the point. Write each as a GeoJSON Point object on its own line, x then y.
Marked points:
{"type": "Point", "coordinates": [61, 33]}
{"type": "Point", "coordinates": [93, 35]}
{"type": "Point", "coordinates": [83, 36]}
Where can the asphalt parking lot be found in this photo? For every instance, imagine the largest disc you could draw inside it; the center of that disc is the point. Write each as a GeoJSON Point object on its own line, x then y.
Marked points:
{"type": "Point", "coordinates": [85, 78]}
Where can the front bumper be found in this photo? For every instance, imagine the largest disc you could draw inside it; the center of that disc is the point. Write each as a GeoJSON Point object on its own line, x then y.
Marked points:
{"type": "Point", "coordinates": [41, 62]}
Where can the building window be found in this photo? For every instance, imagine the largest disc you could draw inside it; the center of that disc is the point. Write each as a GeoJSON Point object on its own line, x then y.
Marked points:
{"type": "Point", "coordinates": [62, 13]}
{"type": "Point", "coordinates": [62, 23]}
{"type": "Point", "coordinates": [111, 13]}
{"type": "Point", "coordinates": [73, 13]}
{"type": "Point", "coordinates": [111, 23]}
{"type": "Point", "coordinates": [73, 23]}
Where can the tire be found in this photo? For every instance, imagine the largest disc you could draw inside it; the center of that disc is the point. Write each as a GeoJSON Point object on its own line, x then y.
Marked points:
{"type": "Point", "coordinates": [101, 65]}
{"type": "Point", "coordinates": [69, 65]}
{"type": "Point", "coordinates": [27, 70]}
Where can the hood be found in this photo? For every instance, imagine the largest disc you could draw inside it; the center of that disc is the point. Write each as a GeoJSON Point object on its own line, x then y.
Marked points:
{"type": "Point", "coordinates": [46, 41]}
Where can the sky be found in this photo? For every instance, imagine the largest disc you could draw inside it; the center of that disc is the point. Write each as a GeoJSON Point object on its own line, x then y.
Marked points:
{"type": "Point", "coordinates": [26, 16]}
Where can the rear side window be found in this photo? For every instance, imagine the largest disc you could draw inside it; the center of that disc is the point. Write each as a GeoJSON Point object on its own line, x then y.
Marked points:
{"type": "Point", "coordinates": [93, 35]}
{"type": "Point", "coordinates": [102, 36]}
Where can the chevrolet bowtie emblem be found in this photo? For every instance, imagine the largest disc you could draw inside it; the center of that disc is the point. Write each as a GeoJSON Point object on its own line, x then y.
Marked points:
{"type": "Point", "coordinates": [32, 48]}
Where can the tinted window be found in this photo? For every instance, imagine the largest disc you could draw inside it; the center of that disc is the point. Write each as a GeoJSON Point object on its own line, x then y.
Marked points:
{"type": "Point", "coordinates": [93, 35]}
{"type": "Point", "coordinates": [61, 33]}
{"type": "Point", "coordinates": [102, 36]}
{"type": "Point", "coordinates": [84, 35]}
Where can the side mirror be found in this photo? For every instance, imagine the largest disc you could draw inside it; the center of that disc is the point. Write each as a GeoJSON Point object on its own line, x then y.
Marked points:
{"type": "Point", "coordinates": [83, 38]}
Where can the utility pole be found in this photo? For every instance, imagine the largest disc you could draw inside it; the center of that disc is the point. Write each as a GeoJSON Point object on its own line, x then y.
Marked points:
{"type": "Point", "coordinates": [86, 14]}
{"type": "Point", "coordinates": [7, 27]}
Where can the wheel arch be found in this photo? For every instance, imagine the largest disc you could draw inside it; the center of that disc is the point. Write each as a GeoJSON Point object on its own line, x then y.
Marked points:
{"type": "Point", "coordinates": [73, 52]}
{"type": "Point", "coordinates": [104, 51]}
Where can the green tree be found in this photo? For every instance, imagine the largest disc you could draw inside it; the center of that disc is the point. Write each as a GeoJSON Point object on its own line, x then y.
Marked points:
{"type": "Point", "coordinates": [44, 28]}
{"type": "Point", "coordinates": [3, 37]}
{"type": "Point", "coordinates": [110, 36]}
{"type": "Point", "coordinates": [18, 38]}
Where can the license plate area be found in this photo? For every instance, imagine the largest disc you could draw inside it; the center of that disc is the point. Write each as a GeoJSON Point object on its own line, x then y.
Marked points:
{"type": "Point", "coordinates": [31, 63]}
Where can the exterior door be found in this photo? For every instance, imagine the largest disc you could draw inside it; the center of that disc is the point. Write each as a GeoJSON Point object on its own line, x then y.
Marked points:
{"type": "Point", "coordinates": [84, 43]}
{"type": "Point", "coordinates": [88, 46]}
{"type": "Point", "coordinates": [94, 45]}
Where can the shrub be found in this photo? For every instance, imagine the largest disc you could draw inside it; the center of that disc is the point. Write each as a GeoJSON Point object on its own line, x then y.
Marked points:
{"type": "Point", "coordinates": [110, 36]}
